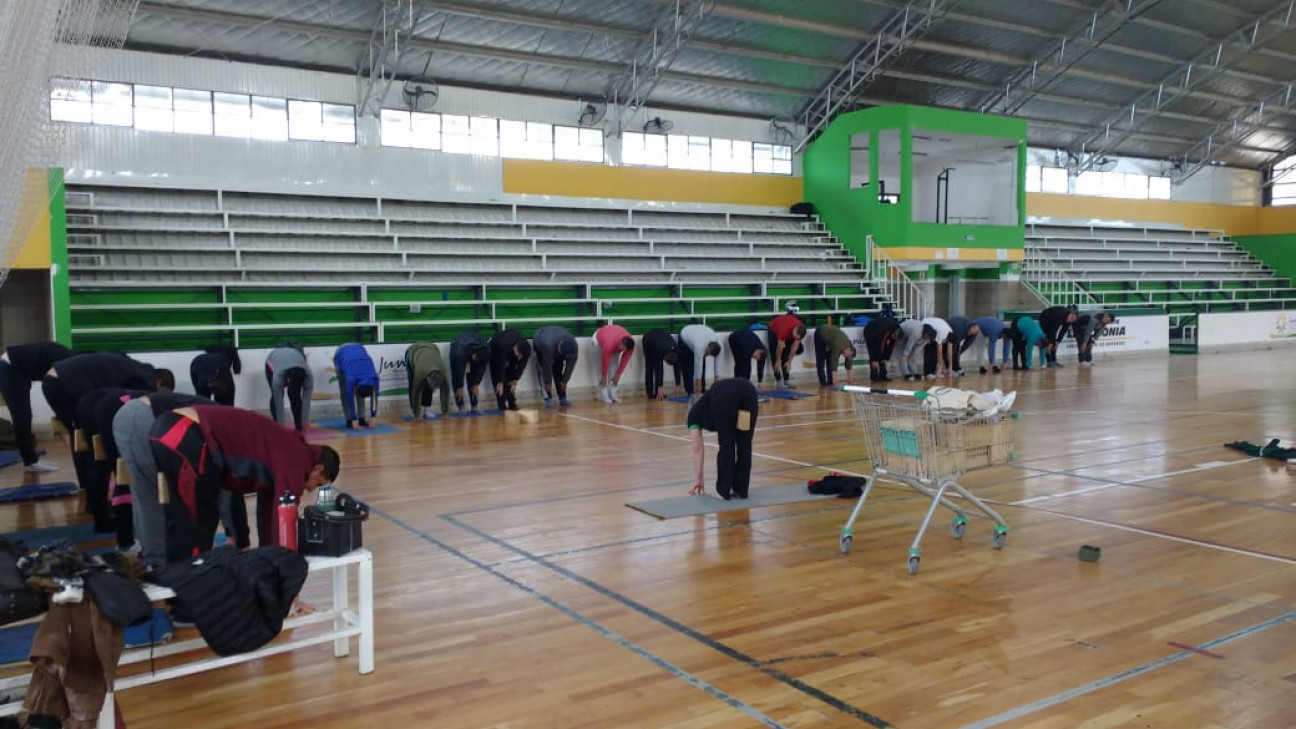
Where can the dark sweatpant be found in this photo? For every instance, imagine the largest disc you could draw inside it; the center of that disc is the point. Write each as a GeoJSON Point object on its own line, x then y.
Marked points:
{"type": "Point", "coordinates": [734, 459]}
{"type": "Point", "coordinates": [294, 398]}
{"type": "Point", "coordinates": [15, 388]}
{"type": "Point", "coordinates": [193, 507]}
{"type": "Point", "coordinates": [684, 368]}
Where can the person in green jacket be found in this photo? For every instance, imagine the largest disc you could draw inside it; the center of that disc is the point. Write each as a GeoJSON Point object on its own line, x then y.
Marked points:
{"type": "Point", "coordinates": [1026, 336]}
{"type": "Point", "coordinates": [831, 344]}
{"type": "Point", "coordinates": [426, 371]}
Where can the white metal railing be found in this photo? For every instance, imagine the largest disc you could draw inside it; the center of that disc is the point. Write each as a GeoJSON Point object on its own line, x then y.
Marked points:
{"type": "Point", "coordinates": [1051, 283]}
{"type": "Point", "coordinates": [894, 285]}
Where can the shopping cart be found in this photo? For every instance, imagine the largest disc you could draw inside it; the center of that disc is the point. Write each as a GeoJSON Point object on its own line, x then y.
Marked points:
{"type": "Point", "coordinates": [913, 440]}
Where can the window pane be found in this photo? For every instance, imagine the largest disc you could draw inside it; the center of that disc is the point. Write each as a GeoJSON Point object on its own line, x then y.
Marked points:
{"type": "Point", "coordinates": [566, 144]}
{"type": "Point", "coordinates": [485, 136]}
{"type": "Point", "coordinates": [152, 97]}
{"type": "Point", "coordinates": [762, 158]}
{"type": "Point", "coordinates": [111, 104]}
{"type": "Point", "coordinates": [269, 118]}
{"type": "Point", "coordinates": [1159, 188]}
{"type": "Point", "coordinates": [655, 150]}
{"type": "Point", "coordinates": [305, 120]}
{"type": "Point", "coordinates": [782, 159]}
{"type": "Point", "coordinates": [70, 101]}
{"type": "Point", "coordinates": [425, 130]}
{"type": "Point", "coordinates": [339, 123]}
{"type": "Point", "coordinates": [512, 138]}
{"type": "Point", "coordinates": [154, 120]}
{"type": "Point", "coordinates": [195, 101]}
{"type": "Point", "coordinates": [193, 122]}
{"type": "Point", "coordinates": [699, 153]}
{"type": "Point", "coordinates": [632, 148]}
{"type": "Point", "coordinates": [677, 148]}
{"type": "Point", "coordinates": [1053, 179]}
{"type": "Point", "coordinates": [233, 115]}
{"type": "Point", "coordinates": [396, 128]}
{"type": "Point", "coordinates": [1089, 183]}
{"type": "Point", "coordinates": [1032, 178]}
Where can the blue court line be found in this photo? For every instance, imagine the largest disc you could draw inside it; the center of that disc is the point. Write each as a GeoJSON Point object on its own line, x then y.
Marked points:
{"type": "Point", "coordinates": [763, 667]}
{"type": "Point", "coordinates": [592, 625]}
{"type": "Point", "coordinates": [1103, 683]}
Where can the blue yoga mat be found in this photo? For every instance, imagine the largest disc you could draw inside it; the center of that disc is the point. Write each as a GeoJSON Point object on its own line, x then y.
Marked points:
{"type": "Point", "coordinates": [339, 425]}
{"type": "Point", "coordinates": [410, 418]}
{"type": "Point", "coordinates": [16, 640]}
{"type": "Point", "coordinates": [678, 398]}
{"type": "Point", "coordinates": [36, 491]}
{"type": "Point", "coordinates": [9, 458]}
{"type": "Point", "coordinates": [74, 532]}
{"type": "Point", "coordinates": [479, 413]}
{"type": "Point", "coordinates": [788, 394]}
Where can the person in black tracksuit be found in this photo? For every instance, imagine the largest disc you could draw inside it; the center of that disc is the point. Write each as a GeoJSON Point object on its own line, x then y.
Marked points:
{"type": "Point", "coordinates": [509, 353]}
{"type": "Point", "coordinates": [469, 357]}
{"type": "Point", "coordinates": [212, 373]}
{"type": "Point", "coordinates": [745, 346]}
{"type": "Point", "coordinates": [73, 377]}
{"type": "Point", "coordinates": [659, 350]}
{"type": "Point", "coordinates": [20, 366]}
{"type": "Point", "coordinates": [880, 336]}
{"type": "Point", "coordinates": [118, 499]}
{"type": "Point", "coordinates": [1056, 321]}
{"type": "Point", "coordinates": [92, 469]}
{"type": "Point", "coordinates": [729, 409]}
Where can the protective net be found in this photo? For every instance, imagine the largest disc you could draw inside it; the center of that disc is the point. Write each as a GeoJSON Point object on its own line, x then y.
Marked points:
{"type": "Point", "coordinates": [31, 31]}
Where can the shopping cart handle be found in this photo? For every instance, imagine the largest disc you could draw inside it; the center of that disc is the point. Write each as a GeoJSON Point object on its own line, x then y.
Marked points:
{"type": "Point", "coordinates": [920, 394]}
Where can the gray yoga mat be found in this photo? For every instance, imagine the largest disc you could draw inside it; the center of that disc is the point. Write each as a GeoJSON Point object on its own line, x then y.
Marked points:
{"type": "Point", "coordinates": [677, 506]}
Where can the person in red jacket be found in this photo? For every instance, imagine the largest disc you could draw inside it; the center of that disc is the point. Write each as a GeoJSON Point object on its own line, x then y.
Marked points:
{"type": "Point", "coordinates": [785, 332]}
{"type": "Point", "coordinates": [206, 448]}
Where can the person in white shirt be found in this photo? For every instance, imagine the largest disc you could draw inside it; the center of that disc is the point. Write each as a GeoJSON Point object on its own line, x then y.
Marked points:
{"type": "Point", "coordinates": [913, 335]}
{"type": "Point", "coordinates": [938, 355]}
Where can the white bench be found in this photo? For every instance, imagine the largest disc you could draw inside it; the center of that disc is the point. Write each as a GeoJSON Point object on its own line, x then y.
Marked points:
{"type": "Point", "coordinates": [346, 620]}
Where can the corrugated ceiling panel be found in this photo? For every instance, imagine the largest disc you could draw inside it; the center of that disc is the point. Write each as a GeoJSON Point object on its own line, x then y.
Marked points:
{"type": "Point", "coordinates": [620, 13]}
{"type": "Point", "coordinates": [342, 13]}
{"type": "Point", "coordinates": [778, 39]}
{"type": "Point", "coordinates": [1046, 15]}
{"type": "Point", "coordinates": [694, 96]}
{"type": "Point", "coordinates": [478, 32]}
{"type": "Point", "coordinates": [758, 70]}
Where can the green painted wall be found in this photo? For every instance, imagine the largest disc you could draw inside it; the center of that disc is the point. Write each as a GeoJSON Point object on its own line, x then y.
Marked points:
{"type": "Point", "coordinates": [852, 214]}
{"type": "Point", "coordinates": [1277, 251]}
{"type": "Point", "coordinates": [59, 291]}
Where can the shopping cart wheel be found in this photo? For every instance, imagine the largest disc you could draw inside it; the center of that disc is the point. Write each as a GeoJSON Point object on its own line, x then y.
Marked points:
{"type": "Point", "coordinates": [913, 565]}
{"type": "Point", "coordinates": [846, 540]}
{"type": "Point", "coordinates": [958, 526]}
{"type": "Point", "coordinates": [1000, 535]}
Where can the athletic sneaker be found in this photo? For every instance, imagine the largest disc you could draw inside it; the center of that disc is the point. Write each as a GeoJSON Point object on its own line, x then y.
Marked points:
{"type": "Point", "coordinates": [604, 395]}
{"type": "Point", "coordinates": [41, 466]}
{"type": "Point", "coordinates": [788, 381]}
{"type": "Point", "coordinates": [548, 401]}
{"type": "Point", "coordinates": [564, 402]}
{"type": "Point", "coordinates": [612, 393]}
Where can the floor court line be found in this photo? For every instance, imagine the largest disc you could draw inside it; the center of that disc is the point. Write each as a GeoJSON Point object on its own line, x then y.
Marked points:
{"type": "Point", "coordinates": [722, 648]}
{"type": "Point", "coordinates": [1158, 533]}
{"type": "Point", "coordinates": [616, 638]}
{"type": "Point", "coordinates": [1116, 678]}
{"type": "Point", "coordinates": [1131, 482]}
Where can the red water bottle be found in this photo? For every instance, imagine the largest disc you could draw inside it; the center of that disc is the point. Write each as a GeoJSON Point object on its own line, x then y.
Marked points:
{"type": "Point", "coordinates": [287, 516]}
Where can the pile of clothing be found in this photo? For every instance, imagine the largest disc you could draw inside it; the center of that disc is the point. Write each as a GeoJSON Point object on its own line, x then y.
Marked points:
{"type": "Point", "coordinates": [953, 405]}
{"type": "Point", "coordinates": [1269, 450]}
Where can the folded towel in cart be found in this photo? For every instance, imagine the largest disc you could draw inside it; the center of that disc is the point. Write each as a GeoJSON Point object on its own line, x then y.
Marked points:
{"type": "Point", "coordinates": [955, 405]}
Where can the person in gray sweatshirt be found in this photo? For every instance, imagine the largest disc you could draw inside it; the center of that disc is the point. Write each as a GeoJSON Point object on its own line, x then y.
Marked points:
{"type": "Point", "coordinates": [556, 353]}
{"type": "Point", "coordinates": [914, 336]}
{"type": "Point", "coordinates": [696, 343]}
{"type": "Point", "coordinates": [287, 372]}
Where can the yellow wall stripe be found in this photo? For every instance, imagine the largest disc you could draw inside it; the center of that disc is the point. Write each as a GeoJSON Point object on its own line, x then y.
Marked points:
{"type": "Point", "coordinates": [575, 179]}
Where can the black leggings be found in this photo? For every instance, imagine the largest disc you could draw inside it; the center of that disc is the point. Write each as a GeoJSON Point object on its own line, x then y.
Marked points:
{"type": "Point", "coordinates": [15, 388]}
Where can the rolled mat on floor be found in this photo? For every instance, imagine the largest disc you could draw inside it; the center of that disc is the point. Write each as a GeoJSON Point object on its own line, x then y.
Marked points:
{"type": "Point", "coordinates": [16, 640]}
{"type": "Point", "coordinates": [338, 425]}
{"type": "Point", "coordinates": [35, 491]}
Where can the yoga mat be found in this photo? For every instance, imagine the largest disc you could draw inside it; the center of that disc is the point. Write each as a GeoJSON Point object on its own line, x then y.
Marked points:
{"type": "Point", "coordinates": [8, 458]}
{"type": "Point", "coordinates": [339, 425]}
{"type": "Point", "coordinates": [479, 413]}
{"type": "Point", "coordinates": [788, 394]}
{"type": "Point", "coordinates": [36, 491]}
{"type": "Point", "coordinates": [677, 506]}
{"type": "Point", "coordinates": [16, 640]}
{"type": "Point", "coordinates": [33, 538]}
{"type": "Point", "coordinates": [410, 418]}
{"type": "Point", "coordinates": [760, 397]}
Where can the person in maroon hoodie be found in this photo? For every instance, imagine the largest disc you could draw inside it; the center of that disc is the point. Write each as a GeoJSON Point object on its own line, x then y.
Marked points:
{"type": "Point", "coordinates": [206, 448]}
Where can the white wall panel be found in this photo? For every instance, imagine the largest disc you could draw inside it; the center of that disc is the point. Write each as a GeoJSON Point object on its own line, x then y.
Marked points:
{"type": "Point", "coordinates": [108, 155]}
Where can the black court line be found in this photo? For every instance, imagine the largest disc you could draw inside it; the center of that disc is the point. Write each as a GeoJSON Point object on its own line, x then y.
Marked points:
{"type": "Point", "coordinates": [592, 625]}
{"type": "Point", "coordinates": [728, 651]}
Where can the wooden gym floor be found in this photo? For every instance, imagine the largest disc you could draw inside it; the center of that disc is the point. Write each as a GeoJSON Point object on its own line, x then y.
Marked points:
{"type": "Point", "coordinates": [515, 589]}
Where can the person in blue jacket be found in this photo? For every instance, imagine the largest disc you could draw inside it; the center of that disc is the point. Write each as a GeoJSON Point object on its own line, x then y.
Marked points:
{"type": "Point", "coordinates": [1027, 335]}
{"type": "Point", "coordinates": [357, 378]}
